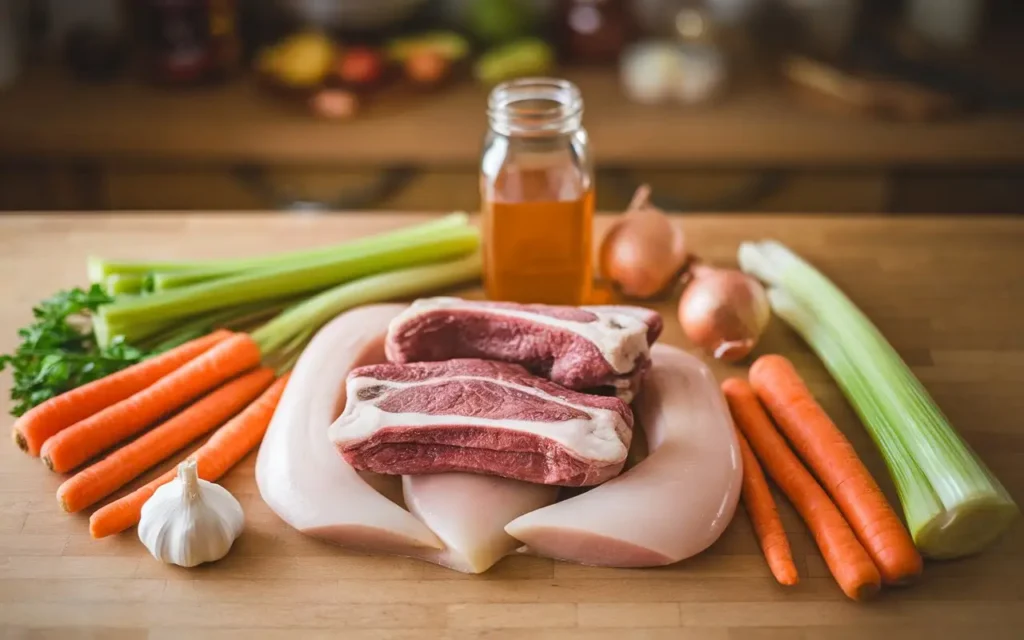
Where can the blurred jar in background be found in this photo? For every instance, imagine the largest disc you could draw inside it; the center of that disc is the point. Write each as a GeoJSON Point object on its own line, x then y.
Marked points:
{"type": "Point", "coordinates": [10, 47]}
{"type": "Point", "coordinates": [657, 17]}
{"type": "Point", "coordinates": [187, 42]}
{"type": "Point", "coordinates": [688, 62]}
{"type": "Point", "coordinates": [948, 23]}
{"type": "Point", "coordinates": [827, 26]}
{"type": "Point", "coordinates": [594, 31]}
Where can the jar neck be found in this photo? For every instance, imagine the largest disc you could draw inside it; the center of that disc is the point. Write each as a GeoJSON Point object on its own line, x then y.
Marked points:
{"type": "Point", "coordinates": [535, 107]}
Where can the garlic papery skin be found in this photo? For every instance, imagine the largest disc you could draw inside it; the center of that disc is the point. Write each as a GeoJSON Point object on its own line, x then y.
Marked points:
{"type": "Point", "coordinates": [189, 521]}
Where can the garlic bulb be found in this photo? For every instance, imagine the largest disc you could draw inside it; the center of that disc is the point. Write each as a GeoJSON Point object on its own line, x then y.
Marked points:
{"type": "Point", "coordinates": [189, 521]}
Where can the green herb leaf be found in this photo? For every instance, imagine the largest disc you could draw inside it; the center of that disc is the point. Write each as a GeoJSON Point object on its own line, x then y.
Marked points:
{"type": "Point", "coordinates": [58, 351]}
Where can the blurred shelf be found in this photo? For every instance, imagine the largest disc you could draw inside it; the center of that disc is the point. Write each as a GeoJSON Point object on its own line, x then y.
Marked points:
{"type": "Point", "coordinates": [47, 117]}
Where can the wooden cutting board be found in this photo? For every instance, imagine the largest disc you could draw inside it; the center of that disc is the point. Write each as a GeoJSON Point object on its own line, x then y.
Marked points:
{"type": "Point", "coordinates": [948, 293]}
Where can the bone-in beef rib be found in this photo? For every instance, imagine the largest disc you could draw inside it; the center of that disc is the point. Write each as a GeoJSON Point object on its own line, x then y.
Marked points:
{"type": "Point", "coordinates": [481, 417]}
{"type": "Point", "coordinates": [582, 348]}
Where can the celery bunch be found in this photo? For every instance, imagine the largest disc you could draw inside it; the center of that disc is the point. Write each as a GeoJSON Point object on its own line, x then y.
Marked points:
{"type": "Point", "coordinates": [188, 290]}
{"type": "Point", "coordinates": [136, 309]}
{"type": "Point", "coordinates": [953, 504]}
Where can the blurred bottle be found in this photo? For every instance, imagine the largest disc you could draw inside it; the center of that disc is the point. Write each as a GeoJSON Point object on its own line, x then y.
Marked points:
{"type": "Point", "coordinates": [10, 50]}
{"type": "Point", "coordinates": [187, 42]}
{"type": "Point", "coordinates": [65, 16]}
{"type": "Point", "coordinates": [595, 31]}
{"type": "Point", "coordinates": [827, 25]}
{"type": "Point", "coordinates": [947, 23]}
{"type": "Point", "coordinates": [704, 62]}
{"type": "Point", "coordinates": [657, 17]}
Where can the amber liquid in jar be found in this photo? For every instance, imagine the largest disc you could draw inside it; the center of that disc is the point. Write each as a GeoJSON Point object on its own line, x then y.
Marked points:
{"type": "Point", "coordinates": [538, 198]}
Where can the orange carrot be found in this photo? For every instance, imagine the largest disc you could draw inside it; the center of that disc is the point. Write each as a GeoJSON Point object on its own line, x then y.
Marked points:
{"type": "Point", "coordinates": [849, 563]}
{"type": "Point", "coordinates": [83, 440]}
{"type": "Point", "coordinates": [760, 506]}
{"type": "Point", "coordinates": [834, 461]}
{"type": "Point", "coordinates": [89, 486]}
{"type": "Point", "coordinates": [56, 414]}
{"type": "Point", "coordinates": [223, 450]}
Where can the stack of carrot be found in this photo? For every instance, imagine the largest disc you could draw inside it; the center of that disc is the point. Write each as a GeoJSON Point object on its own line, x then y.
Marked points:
{"type": "Point", "coordinates": [860, 537]}
{"type": "Point", "coordinates": [176, 398]}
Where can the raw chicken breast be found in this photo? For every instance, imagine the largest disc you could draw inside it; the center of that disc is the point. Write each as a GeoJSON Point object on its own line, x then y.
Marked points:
{"type": "Point", "coordinates": [469, 513]}
{"type": "Point", "coordinates": [299, 473]}
{"type": "Point", "coordinates": [672, 505]}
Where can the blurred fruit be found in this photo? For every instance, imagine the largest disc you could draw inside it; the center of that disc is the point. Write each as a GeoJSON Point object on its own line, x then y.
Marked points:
{"type": "Point", "coordinates": [334, 104]}
{"type": "Point", "coordinates": [300, 61]}
{"type": "Point", "coordinates": [449, 45]}
{"type": "Point", "coordinates": [427, 67]}
{"type": "Point", "coordinates": [360, 66]}
{"type": "Point", "coordinates": [497, 21]}
{"type": "Point", "coordinates": [526, 57]}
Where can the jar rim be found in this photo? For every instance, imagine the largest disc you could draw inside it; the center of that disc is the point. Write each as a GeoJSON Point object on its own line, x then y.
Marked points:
{"type": "Point", "coordinates": [555, 106]}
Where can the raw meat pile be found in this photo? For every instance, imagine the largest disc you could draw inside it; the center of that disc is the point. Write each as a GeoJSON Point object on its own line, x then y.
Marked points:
{"type": "Point", "coordinates": [461, 396]}
{"type": "Point", "coordinates": [480, 404]}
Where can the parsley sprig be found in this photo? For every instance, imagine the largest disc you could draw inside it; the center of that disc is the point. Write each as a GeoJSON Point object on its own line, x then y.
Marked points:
{"type": "Point", "coordinates": [58, 352]}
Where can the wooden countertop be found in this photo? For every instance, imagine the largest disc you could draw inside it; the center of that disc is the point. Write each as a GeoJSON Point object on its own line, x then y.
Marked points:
{"type": "Point", "coordinates": [948, 293]}
{"type": "Point", "coordinates": [47, 116]}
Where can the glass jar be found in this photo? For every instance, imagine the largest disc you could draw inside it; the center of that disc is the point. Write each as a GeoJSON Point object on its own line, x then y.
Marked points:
{"type": "Point", "coordinates": [537, 193]}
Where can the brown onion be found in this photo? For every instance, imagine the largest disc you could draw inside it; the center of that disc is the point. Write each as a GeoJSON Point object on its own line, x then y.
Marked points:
{"type": "Point", "coordinates": [643, 252]}
{"type": "Point", "coordinates": [723, 311]}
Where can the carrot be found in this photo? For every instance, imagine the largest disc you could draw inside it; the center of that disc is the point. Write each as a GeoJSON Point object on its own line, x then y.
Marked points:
{"type": "Point", "coordinates": [760, 506]}
{"type": "Point", "coordinates": [56, 414]}
{"type": "Point", "coordinates": [223, 450]}
{"type": "Point", "coordinates": [83, 440]}
{"type": "Point", "coordinates": [834, 461]}
{"type": "Point", "coordinates": [849, 563]}
{"type": "Point", "coordinates": [91, 485]}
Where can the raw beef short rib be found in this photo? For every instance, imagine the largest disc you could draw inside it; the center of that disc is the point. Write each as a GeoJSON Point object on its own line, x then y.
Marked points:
{"type": "Point", "coordinates": [582, 348]}
{"type": "Point", "coordinates": [481, 417]}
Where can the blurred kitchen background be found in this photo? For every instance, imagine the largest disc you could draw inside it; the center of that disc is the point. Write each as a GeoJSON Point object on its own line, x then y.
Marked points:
{"type": "Point", "coordinates": [852, 106]}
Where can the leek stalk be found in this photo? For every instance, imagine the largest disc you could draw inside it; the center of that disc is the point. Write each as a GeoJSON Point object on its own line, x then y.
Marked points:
{"type": "Point", "coordinates": [136, 317]}
{"type": "Point", "coordinates": [953, 504]}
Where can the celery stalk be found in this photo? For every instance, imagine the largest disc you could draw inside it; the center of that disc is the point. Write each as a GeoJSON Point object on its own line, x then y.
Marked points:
{"type": "Point", "coordinates": [293, 327]}
{"type": "Point", "coordinates": [99, 269]}
{"type": "Point", "coordinates": [953, 504]}
{"type": "Point", "coordinates": [117, 285]}
{"type": "Point", "coordinates": [131, 318]}
{"type": "Point", "coordinates": [167, 280]}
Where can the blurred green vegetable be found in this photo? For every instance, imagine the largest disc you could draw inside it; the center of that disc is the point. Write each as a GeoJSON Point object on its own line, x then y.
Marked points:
{"type": "Point", "coordinates": [526, 57]}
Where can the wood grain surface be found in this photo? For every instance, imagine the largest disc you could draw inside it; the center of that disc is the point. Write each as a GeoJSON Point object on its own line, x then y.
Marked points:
{"type": "Point", "coordinates": [948, 293]}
